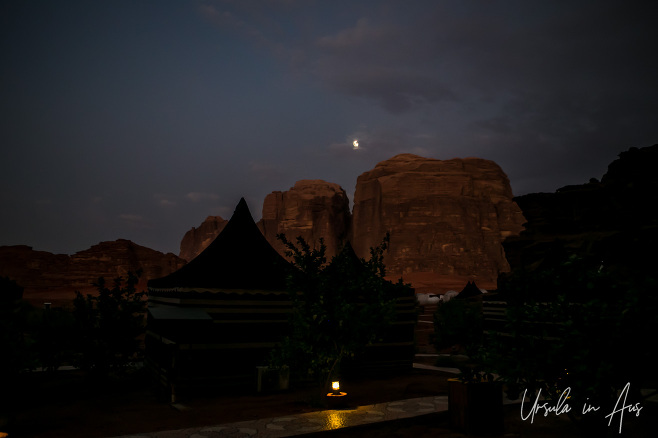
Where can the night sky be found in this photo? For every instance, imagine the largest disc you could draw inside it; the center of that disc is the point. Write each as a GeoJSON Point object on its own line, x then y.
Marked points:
{"type": "Point", "coordinates": [138, 119]}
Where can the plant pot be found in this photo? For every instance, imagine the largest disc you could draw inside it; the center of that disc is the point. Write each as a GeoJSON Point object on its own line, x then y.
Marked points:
{"type": "Point", "coordinates": [272, 379]}
{"type": "Point", "coordinates": [476, 408]}
{"type": "Point", "coordinates": [284, 377]}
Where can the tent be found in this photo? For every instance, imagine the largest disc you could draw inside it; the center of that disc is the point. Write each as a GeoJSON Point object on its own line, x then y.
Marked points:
{"type": "Point", "coordinates": [216, 318]}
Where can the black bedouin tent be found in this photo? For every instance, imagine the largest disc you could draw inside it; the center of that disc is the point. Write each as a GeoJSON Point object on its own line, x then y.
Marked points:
{"type": "Point", "coordinates": [212, 321]}
{"type": "Point", "coordinates": [239, 258]}
{"type": "Point", "coordinates": [215, 320]}
{"type": "Point", "coordinates": [470, 291]}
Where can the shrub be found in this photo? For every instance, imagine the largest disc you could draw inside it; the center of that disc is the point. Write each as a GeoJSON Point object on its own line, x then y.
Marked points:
{"type": "Point", "coordinates": [108, 325]}
{"type": "Point", "coordinates": [338, 309]}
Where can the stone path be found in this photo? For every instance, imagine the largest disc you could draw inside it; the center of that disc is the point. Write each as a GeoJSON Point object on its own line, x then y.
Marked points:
{"type": "Point", "coordinates": [316, 421]}
{"type": "Point", "coordinates": [310, 422]}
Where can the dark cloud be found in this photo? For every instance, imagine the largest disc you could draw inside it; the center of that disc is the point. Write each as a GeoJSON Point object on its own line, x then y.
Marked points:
{"type": "Point", "coordinates": [385, 63]}
{"type": "Point", "coordinates": [167, 114]}
{"type": "Point", "coordinates": [396, 90]}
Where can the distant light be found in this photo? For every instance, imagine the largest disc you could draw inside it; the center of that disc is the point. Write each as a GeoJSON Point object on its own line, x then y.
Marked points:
{"type": "Point", "coordinates": [335, 386]}
{"type": "Point", "coordinates": [356, 144]}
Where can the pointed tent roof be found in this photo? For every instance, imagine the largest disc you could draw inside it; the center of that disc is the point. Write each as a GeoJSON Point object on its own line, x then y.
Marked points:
{"type": "Point", "coordinates": [469, 291]}
{"type": "Point", "coordinates": [239, 258]}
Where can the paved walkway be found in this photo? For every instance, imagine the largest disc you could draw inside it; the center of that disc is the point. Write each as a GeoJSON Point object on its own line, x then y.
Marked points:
{"type": "Point", "coordinates": [310, 422]}
{"type": "Point", "coordinates": [318, 421]}
{"type": "Point", "coordinates": [314, 421]}
{"type": "Point", "coordinates": [323, 420]}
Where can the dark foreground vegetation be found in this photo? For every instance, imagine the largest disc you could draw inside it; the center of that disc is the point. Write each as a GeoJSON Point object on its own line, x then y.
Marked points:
{"type": "Point", "coordinates": [99, 335]}
{"type": "Point", "coordinates": [579, 309]}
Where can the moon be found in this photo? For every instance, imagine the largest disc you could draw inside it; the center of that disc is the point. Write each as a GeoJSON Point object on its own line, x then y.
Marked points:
{"type": "Point", "coordinates": [356, 144]}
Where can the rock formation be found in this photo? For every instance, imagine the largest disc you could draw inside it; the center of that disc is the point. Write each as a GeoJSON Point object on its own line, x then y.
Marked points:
{"type": "Point", "coordinates": [197, 239]}
{"type": "Point", "coordinates": [611, 222]}
{"type": "Point", "coordinates": [32, 269]}
{"type": "Point", "coordinates": [446, 220]}
{"type": "Point", "coordinates": [312, 209]}
{"type": "Point", "coordinates": [56, 277]}
{"type": "Point", "coordinates": [116, 258]}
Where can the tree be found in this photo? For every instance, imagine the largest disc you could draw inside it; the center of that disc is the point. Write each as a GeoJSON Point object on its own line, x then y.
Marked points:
{"type": "Point", "coordinates": [13, 322]}
{"type": "Point", "coordinates": [338, 309]}
{"type": "Point", "coordinates": [575, 324]}
{"type": "Point", "coordinates": [108, 325]}
{"type": "Point", "coordinates": [53, 331]}
{"type": "Point", "coordinates": [16, 353]}
{"type": "Point", "coordinates": [458, 322]}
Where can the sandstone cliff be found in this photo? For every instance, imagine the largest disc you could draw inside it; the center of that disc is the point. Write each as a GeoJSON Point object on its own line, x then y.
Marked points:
{"type": "Point", "coordinates": [446, 219]}
{"type": "Point", "coordinates": [56, 277]}
{"type": "Point", "coordinates": [312, 209]}
{"type": "Point", "coordinates": [197, 239]}
{"type": "Point", "coordinates": [612, 222]}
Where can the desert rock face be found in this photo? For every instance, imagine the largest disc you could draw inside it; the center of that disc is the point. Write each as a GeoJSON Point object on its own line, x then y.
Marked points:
{"type": "Point", "coordinates": [31, 268]}
{"type": "Point", "coordinates": [612, 221]}
{"type": "Point", "coordinates": [116, 258]}
{"type": "Point", "coordinates": [312, 209]}
{"type": "Point", "coordinates": [56, 277]}
{"type": "Point", "coordinates": [197, 239]}
{"type": "Point", "coordinates": [446, 220]}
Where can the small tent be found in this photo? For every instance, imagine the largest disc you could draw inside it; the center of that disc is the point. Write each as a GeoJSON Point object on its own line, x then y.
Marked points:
{"type": "Point", "coordinates": [470, 291]}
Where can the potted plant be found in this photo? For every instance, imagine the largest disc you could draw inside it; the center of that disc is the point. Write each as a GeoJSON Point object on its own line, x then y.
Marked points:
{"type": "Point", "coordinates": [275, 376]}
{"type": "Point", "coordinates": [475, 402]}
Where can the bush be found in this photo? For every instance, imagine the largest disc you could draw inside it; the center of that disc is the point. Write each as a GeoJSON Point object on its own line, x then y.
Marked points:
{"type": "Point", "coordinates": [338, 309]}
{"type": "Point", "coordinates": [108, 326]}
{"type": "Point", "coordinates": [576, 325]}
{"type": "Point", "coordinates": [458, 323]}
{"type": "Point", "coordinates": [53, 331]}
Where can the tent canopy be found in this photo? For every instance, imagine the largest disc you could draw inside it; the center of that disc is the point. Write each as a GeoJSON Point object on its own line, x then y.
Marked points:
{"type": "Point", "coordinates": [239, 258]}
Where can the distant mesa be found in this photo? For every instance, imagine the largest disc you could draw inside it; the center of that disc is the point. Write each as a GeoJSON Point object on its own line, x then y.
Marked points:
{"type": "Point", "coordinates": [313, 209]}
{"type": "Point", "coordinates": [447, 220]}
{"type": "Point", "coordinates": [198, 239]}
{"type": "Point", "coordinates": [56, 277]}
{"type": "Point", "coordinates": [450, 222]}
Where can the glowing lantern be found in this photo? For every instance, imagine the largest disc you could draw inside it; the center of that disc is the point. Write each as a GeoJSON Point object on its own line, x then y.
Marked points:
{"type": "Point", "coordinates": [335, 387]}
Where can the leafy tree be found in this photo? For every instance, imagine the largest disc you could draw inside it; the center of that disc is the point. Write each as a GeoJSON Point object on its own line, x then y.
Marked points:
{"type": "Point", "coordinates": [576, 324]}
{"type": "Point", "coordinates": [108, 325]}
{"type": "Point", "coordinates": [338, 309]}
{"type": "Point", "coordinates": [13, 321]}
{"type": "Point", "coordinates": [53, 331]}
{"type": "Point", "coordinates": [458, 322]}
{"type": "Point", "coordinates": [16, 353]}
